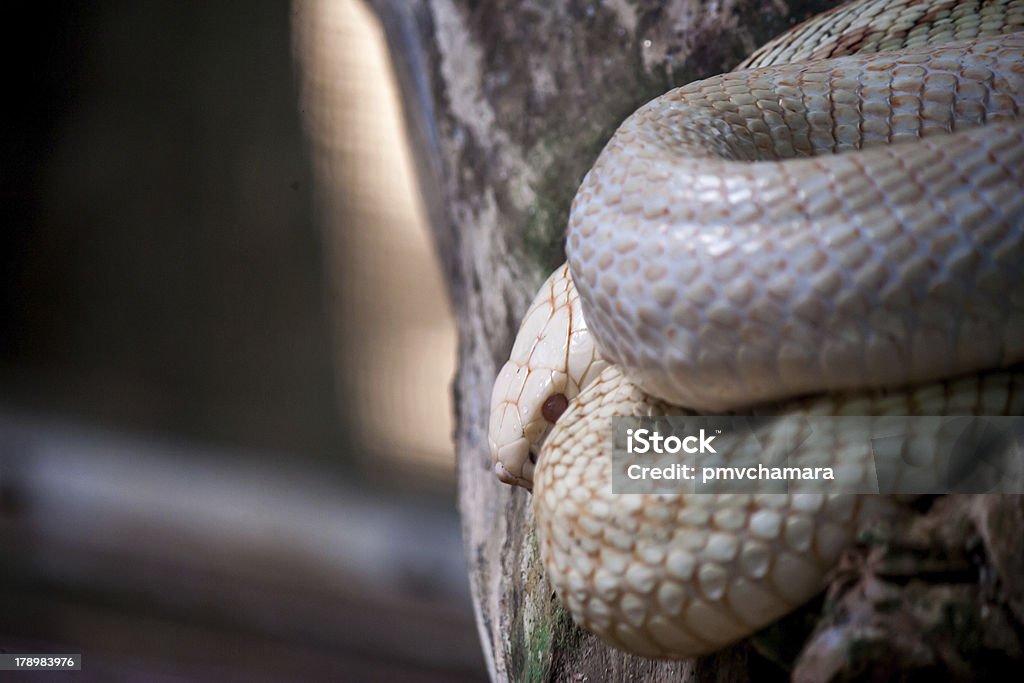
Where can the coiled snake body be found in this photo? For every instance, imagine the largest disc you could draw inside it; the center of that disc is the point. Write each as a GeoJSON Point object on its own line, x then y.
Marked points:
{"type": "Point", "coordinates": [835, 229]}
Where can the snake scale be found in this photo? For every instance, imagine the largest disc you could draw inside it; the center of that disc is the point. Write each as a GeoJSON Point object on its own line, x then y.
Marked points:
{"type": "Point", "coordinates": [835, 228]}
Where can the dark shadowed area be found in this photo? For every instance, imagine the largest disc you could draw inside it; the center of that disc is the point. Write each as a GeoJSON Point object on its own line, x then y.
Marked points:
{"type": "Point", "coordinates": [183, 496]}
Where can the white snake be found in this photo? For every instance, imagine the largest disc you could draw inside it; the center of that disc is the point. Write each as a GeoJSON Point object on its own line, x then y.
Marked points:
{"type": "Point", "coordinates": [830, 235]}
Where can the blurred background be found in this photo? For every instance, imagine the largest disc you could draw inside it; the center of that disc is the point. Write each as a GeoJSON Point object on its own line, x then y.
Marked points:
{"type": "Point", "coordinates": [225, 353]}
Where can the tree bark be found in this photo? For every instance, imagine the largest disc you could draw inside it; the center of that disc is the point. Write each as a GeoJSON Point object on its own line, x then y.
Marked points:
{"type": "Point", "coordinates": [509, 103]}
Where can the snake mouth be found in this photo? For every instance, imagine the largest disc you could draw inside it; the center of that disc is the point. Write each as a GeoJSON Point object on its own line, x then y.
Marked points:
{"type": "Point", "coordinates": [506, 477]}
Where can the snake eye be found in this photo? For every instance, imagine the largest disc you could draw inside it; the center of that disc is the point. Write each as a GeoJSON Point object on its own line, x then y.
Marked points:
{"type": "Point", "coordinates": [553, 407]}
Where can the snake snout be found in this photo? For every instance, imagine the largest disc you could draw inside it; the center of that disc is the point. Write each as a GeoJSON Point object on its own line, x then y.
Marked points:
{"type": "Point", "coordinates": [507, 477]}
{"type": "Point", "coordinates": [511, 449]}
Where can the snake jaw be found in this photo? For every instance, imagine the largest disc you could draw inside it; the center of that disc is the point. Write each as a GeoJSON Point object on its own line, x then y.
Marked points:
{"type": "Point", "coordinates": [517, 426]}
{"type": "Point", "coordinates": [506, 477]}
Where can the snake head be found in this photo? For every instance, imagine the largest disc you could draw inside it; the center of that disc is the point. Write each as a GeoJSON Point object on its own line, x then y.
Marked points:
{"type": "Point", "coordinates": [553, 358]}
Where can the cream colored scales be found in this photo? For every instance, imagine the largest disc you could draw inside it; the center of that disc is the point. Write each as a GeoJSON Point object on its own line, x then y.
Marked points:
{"type": "Point", "coordinates": [828, 227]}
